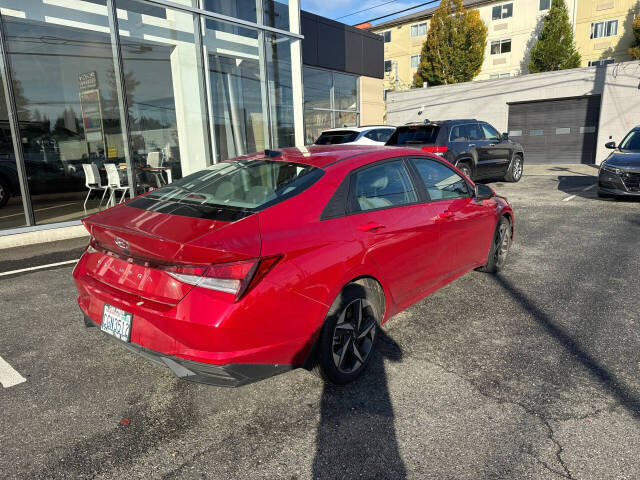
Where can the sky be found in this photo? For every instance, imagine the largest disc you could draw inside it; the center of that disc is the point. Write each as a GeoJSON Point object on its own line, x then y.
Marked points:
{"type": "Point", "coordinates": [337, 8]}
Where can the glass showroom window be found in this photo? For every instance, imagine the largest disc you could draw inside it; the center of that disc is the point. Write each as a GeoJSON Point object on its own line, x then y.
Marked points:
{"type": "Point", "coordinates": [165, 91]}
{"type": "Point", "coordinates": [500, 46]}
{"type": "Point", "coordinates": [502, 11]}
{"type": "Point", "coordinates": [419, 29]}
{"type": "Point", "coordinates": [66, 99]}
{"type": "Point", "coordinates": [607, 28]}
{"type": "Point", "coordinates": [11, 208]}
{"type": "Point", "coordinates": [234, 61]}
{"type": "Point", "coordinates": [279, 75]}
{"type": "Point", "coordinates": [330, 101]}
{"type": "Point", "coordinates": [242, 9]}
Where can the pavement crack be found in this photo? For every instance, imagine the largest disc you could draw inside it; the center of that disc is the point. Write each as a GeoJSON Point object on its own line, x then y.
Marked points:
{"type": "Point", "coordinates": [545, 421]}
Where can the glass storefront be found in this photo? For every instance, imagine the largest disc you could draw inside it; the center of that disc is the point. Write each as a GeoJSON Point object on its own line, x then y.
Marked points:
{"type": "Point", "coordinates": [330, 101]}
{"type": "Point", "coordinates": [196, 88]}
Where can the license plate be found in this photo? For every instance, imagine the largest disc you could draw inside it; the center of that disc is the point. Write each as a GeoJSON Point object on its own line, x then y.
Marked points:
{"type": "Point", "coordinates": [116, 322]}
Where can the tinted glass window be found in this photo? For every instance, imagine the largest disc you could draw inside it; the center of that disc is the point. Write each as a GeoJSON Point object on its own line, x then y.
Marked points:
{"type": "Point", "coordinates": [337, 137]}
{"type": "Point", "coordinates": [490, 133]}
{"type": "Point", "coordinates": [245, 186]}
{"type": "Point", "coordinates": [631, 141]}
{"type": "Point", "coordinates": [384, 185]}
{"type": "Point", "coordinates": [414, 134]}
{"type": "Point", "coordinates": [379, 135]}
{"type": "Point", "coordinates": [440, 181]}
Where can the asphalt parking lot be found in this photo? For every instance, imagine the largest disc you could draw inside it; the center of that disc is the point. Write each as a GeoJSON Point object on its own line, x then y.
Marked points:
{"type": "Point", "coordinates": [534, 373]}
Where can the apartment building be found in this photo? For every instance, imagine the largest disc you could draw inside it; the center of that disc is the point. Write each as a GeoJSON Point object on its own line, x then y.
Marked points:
{"type": "Point", "coordinates": [602, 30]}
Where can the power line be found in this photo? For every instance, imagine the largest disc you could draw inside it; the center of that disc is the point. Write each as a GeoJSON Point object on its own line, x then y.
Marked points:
{"type": "Point", "coordinates": [365, 9]}
{"type": "Point", "coordinates": [400, 11]}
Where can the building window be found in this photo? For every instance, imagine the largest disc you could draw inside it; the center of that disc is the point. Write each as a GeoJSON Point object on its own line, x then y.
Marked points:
{"type": "Point", "coordinates": [607, 28]}
{"type": "Point", "coordinates": [496, 76]}
{"type": "Point", "coordinates": [419, 29]}
{"type": "Point", "coordinates": [500, 46]}
{"type": "Point", "coordinates": [502, 11]}
{"type": "Point", "coordinates": [415, 61]}
{"type": "Point", "coordinates": [387, 66]}
{"type": "Point", "coordinates": [601, 63]}
{"type": "Point", "coordinates": [387, 36]}
{"type": "Point", "coordinates": [544, 5]}
{"type": "Point", "coordinates": [330, 101]}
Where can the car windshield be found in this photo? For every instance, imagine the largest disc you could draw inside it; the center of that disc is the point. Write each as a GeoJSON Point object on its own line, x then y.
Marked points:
{"type": "Point", "coordinates": [336, 137]}
{"type": "Point", "coordinates": [414, 134]}
{"type": "Point", "coordinates": [231, 190]}
{"type": "Point", "coordinates": [631, 142]}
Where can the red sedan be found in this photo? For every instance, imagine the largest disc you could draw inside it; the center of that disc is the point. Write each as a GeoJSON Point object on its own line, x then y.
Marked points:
{"type": "Point", "coordinates": [285, 259]}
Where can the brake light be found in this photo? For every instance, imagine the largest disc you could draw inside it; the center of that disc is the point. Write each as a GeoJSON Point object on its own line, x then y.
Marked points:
{"type": "Point", "coordinates": [234, 277]}
{"type": "Point", "coordinates": [437, 149]}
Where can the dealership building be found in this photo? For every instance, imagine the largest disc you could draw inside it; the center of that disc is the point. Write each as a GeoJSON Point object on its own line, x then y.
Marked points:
{"type": "Point", "coordinates": [162, 89]}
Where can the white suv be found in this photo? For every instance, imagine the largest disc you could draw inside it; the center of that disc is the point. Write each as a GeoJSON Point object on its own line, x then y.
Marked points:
{"type": "Point", "coordinates": [368, 135]}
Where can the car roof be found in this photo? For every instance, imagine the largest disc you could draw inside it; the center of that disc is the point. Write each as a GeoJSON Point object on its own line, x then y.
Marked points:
{"type": "Point", "coordinates": [363, 128]}
{"type": "Point", "coordinates": [441, 122]}
{"type": "Point", "coordinates": [322, 156]}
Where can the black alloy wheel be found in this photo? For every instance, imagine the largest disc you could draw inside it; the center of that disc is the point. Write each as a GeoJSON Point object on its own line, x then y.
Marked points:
{"type": "Point", "coordinates": [4, 193]}
{"type": "Point", "coordinates": [466, 169]}
{"type": "Point", "coordinates": [514, 174]}
{"type": "Point", "coordinates": [499, 249]}
{"type": "Point", "coordinates": [353, 336]}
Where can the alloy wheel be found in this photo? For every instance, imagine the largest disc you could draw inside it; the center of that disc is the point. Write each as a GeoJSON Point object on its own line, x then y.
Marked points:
{"type": "Point", "coordinates": [517, 168]}
{"type": "Point", "coordinates": [502, 243]}
{"type": "Point", "coordinates": [353, 336]}
{"type": "Point", "coordinates": [2, 193]}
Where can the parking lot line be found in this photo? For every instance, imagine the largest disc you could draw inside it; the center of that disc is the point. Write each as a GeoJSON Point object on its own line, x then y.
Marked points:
{"type": "Point", "coordinates": [589, 187]}
{"type": "Point", "coordinates": [8, 375]}
{"type": "Point", "coordinates": [568, 198]}
{"type": "Point", "coordinates": [39, 267]}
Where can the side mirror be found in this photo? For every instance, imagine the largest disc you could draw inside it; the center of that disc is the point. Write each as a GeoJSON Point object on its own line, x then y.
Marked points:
{"type": "Point", "coordinates": [610, 145]}
{"type": "Point", "coordinates": [483, 191]}
{"type": "Point", "coordinates": [505, 137]}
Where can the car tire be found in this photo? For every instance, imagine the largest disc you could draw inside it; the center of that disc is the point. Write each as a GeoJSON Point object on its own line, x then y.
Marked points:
{"type": "Point", "coordinates": [604, 195]}
{"type": "Point", "coordinates": [5, 193]}
{"type": "Point", "coordinates": [514, 173]}
{"type": "Point", "coordinates": [465, 168]}
{"type": "Point", "coordinates": [499, 249]}
{"type": "Point", "coordinates": [348, 339]}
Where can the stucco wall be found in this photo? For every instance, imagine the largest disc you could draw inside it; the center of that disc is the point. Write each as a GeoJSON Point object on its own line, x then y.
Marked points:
{"type": "Point", "coordinates": [371, 101]}
{"type": "Point", "coordinates": [488, 100]}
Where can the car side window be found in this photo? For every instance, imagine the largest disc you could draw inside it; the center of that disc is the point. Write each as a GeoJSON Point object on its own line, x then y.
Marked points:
{"type": "Point", "coordinates": [490, 133]}
{"type": "Point", "coordinates": [475, 132]}
{"type": "Point", "coordinates": [459, 133]}
{"type": "Point", "coordinates": [384, 134]}
{"type": "Point", "coordinates": [383, 185]}
{"type": "Point", "coordinates": [441, 182]}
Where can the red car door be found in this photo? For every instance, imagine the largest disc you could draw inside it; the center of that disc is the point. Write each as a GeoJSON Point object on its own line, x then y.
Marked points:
{"type": "Point", "coordinates": [400, 233]}
{"type": "Point", "coordinates": [466, 224]}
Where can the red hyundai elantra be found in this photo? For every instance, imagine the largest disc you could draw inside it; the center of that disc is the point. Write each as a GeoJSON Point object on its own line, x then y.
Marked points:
{"type": "Point", "coordinates": [285, 259]}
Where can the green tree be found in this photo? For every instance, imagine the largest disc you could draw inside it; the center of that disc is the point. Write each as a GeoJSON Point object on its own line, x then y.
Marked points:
{"type": "Point", "coordinates": [454, 49]}
{"type": "Point", "coordinates": [555, 49]}
{"type": "Point", "coordinates": [634, 51]}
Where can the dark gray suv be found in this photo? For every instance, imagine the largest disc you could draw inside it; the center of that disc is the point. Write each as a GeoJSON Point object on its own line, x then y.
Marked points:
{"type": "Point", "coordinates": [475, 147]}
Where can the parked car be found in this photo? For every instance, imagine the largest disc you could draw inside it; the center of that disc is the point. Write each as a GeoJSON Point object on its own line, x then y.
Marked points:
{"type": "Point", "coordinates": [368, 135]}
{"type": "Point", "coordinates": [475, 147]}
{"type": "Point", "coordinates": [286, 259]}
{"type": "Point", "coordinates": [620, 173]}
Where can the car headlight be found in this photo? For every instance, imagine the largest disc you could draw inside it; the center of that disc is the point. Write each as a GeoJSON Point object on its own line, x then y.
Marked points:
{"type": "Point", "coordinates": [607, 168]}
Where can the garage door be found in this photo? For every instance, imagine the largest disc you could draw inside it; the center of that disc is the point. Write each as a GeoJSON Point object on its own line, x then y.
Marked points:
{"type": "Point", "coordinates": [556, 131]}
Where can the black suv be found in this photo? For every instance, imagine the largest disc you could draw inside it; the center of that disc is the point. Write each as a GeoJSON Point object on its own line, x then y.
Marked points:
{"type": "Point", "coordinates": [475, 147]}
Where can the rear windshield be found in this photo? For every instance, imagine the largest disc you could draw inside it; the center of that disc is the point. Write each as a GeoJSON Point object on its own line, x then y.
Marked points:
{"type": "Point", "coordinates": [229, 191]}
{"type": "Point", "coordinates": [337, 137]}
{"type": "Point", "coordinates": [414, 134]}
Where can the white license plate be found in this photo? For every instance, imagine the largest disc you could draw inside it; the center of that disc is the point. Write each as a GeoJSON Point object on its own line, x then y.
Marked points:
{"type": "Point", "coordinates": [116, 322]}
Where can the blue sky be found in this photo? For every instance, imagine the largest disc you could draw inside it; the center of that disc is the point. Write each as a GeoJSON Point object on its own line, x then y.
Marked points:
{"type": "Point", "coordinates": [336, 8]}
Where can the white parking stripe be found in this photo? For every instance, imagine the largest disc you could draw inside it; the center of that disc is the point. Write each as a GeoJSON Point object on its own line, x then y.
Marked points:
{"type": "Point", "coordinates": [568, 198]}
{"type": "Point", "coordinates": [589, 187]}
{"type": "Point", "coordinates": [8, 375]}
{"type": "Point", "coordinates": [39, 267]}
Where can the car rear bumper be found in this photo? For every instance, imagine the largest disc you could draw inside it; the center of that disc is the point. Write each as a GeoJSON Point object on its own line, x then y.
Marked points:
{"type": "Point", "coordinates": [230, 375]}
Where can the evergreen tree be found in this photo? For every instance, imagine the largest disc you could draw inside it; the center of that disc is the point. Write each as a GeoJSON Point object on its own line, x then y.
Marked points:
{"type": "Point", "coordinates": [454, 49]}
{"type": "Point", "coordinates": [634, 51]}
{"type": "Point", "coordinates": [555, 49]}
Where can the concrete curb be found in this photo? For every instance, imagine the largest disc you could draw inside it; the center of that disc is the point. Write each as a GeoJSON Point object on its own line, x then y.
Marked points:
{"type": "Point", "coordinates": [42, 236]}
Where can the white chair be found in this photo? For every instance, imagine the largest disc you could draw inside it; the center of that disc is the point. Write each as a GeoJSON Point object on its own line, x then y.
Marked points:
{"type": "Point", "coordinates": [154, 160]}
{"type": "Point", "coordinates": [113, 179]}
{"type": "Point", "coordinates": [93, 182]}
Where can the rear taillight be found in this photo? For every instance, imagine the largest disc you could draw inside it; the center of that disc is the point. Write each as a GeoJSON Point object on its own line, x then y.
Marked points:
{"type": "Point", "coordinates": [235, 277]}
{"type": "Point", "coordinates": [437, 149]}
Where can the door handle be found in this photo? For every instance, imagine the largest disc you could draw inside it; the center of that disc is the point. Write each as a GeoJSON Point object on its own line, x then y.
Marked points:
{"type": "Point", "coordinates": [446, 215]}
{"type": "Point", "coordinates": [371, 227]}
